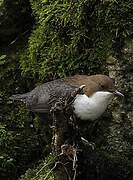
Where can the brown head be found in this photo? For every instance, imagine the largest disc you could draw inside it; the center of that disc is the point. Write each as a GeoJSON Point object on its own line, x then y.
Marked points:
{"type": "Point", "coordinates": [94, 83]}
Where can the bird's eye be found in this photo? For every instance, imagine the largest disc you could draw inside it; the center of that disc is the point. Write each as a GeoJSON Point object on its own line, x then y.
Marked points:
{"type": "Point", "coordinates": [102, 86]}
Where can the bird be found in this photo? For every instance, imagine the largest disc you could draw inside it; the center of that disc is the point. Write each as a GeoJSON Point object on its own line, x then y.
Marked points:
{"type": "Point", "coordinates": [97, 94]}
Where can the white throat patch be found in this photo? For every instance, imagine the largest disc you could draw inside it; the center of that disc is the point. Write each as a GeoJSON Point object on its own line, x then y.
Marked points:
{"type": "Point", "coordinates": [90, 108]}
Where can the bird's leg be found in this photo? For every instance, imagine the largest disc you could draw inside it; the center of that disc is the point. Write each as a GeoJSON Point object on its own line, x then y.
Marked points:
{"type": "Point", "coordinates": [87, 143]}
{"type": "Point", "coordinates": [86, 129]}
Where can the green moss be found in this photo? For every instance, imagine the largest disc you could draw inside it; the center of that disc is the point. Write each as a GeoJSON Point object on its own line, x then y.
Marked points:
{"type": "Point", "coordinates": [59, 41]}
{"type": "Point", "coordinates": [21, 145]}
{"type": "Point", "coordinates": [71, 37]}
{"type": "Point", "coordinates": [40, 172]}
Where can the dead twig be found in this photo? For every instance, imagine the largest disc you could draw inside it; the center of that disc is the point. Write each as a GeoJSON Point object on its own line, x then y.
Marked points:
{"type": "Point", "coordinates": [34, 178]}
{"type": "Point", "coordinates": [58, 162]}
{"type": "Point", "coordinates": [65, 129]}
{"type": "Point", "coordinates": [75, 173]}
{"type": "Point", "coordinates": [71, 152]}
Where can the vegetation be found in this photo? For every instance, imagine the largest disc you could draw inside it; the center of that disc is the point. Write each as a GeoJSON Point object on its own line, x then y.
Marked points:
{"type": "Point", "coordinates": [76, 35]}
{"type": "Point", "coordinates": [42, 171]}
{"type": "Point", "coordinates": [43, 40]}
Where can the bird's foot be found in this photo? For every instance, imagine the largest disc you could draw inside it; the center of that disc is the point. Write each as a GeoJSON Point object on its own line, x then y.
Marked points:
{"type": "Point", "coordinates": [87, 143]}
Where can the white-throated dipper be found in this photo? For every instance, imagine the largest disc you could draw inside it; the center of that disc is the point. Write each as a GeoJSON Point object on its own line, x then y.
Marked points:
{"type": "Point", "coordinates": [98, 92]}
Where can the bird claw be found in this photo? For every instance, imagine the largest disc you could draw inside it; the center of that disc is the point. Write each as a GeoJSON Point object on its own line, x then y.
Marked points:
{"type": "Point", "coordinates": [87, 143]}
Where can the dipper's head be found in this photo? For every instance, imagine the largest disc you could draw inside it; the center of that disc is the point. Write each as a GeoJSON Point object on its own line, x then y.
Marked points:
{"type": "Point", "coordinates": [105, 84]}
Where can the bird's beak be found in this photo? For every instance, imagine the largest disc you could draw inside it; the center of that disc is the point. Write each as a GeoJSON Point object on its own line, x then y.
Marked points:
{"type": "Point", "coordinates": [117, 93]}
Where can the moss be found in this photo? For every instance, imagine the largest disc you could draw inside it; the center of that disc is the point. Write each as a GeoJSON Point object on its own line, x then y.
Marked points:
{"type": "Point", "coordinates": [21, 144]}
{"type": "Point", "coordinates": [71, 37]}
{"type": "Point", "coordinates": [59, 40]}
{"type": "Point", "coordinates": [41, 171]}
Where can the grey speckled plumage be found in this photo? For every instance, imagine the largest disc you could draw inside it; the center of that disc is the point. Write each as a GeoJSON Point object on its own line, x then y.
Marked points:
{"type": "Point", "coordinates": [44, 96]}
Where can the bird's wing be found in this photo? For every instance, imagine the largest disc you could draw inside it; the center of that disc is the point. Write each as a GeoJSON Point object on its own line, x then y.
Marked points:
{"type": "Point", "coordinates": [43, 97]}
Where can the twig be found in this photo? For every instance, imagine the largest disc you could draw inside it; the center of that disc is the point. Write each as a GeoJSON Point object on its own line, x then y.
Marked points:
{"type": "Point", "coordinates": [58, 162]}
{"type": "Point", "coordinates": [65, 170]}
{"type": "Point", "coordinates": [75, 159]}
{"type": "Point", "coordinates": [62, 115]}
{"type": "Point", "coordinates": [41, 170]}
{"type": "Point", "coordinates": [75, 172]}
{"type": "Point", "coordinates": [50, 171]}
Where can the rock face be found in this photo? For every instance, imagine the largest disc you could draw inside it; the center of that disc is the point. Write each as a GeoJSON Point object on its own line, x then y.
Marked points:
{"type": "Point", "coordinates": [121, 68]}
{"type": "Point", "coordinates": [119, 140]}
{"type": "Point", "coordinates": [113, 135]}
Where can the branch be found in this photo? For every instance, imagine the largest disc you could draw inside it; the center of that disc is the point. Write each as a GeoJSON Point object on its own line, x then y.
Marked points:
{"type": "Point", "coordinates": [66, 136]}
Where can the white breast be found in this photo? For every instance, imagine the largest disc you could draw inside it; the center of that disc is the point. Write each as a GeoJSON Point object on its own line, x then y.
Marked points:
{"type": "Point", "coordinates": [90, 108]}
